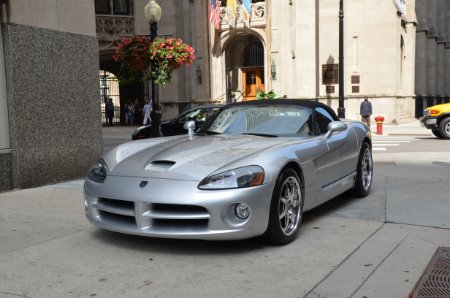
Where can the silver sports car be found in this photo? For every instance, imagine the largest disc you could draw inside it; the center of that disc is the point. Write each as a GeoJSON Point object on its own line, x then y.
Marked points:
{"type": "Point", "coordinates": [252, 169]}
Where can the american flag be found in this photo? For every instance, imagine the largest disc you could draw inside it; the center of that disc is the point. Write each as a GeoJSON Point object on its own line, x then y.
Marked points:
{"type": "Point", "coordinates": [214, 13]}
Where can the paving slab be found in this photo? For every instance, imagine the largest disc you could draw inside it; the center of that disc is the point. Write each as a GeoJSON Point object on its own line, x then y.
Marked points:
{"type": "Point", "coordinates": [388, 264]}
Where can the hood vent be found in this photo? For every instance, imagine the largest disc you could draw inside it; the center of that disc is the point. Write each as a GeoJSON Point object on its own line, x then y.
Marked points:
{"type": "Point", "coordinates": [159, 165]}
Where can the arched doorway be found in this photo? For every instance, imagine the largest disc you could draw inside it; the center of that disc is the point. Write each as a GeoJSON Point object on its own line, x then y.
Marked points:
{"type": "Point", "coordinates": [109, 88]}
{"type": "Point", "coordinates": [244, 56]}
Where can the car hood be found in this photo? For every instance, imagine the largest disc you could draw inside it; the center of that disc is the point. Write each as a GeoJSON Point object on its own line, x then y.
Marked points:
{"type": "Point", "coordinates": [182, 158]}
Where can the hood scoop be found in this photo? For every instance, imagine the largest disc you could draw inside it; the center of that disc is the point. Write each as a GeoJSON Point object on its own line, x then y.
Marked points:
{"type": "Point", "coordinates": [159, 165]}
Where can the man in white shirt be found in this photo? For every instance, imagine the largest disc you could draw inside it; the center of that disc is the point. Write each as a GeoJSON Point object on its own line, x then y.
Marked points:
{"type": "Point", "coordinates": [146, 112]}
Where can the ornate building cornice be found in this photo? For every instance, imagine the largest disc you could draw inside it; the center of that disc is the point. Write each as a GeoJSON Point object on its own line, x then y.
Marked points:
{"type": "Point", "coordinates": [113, 28]}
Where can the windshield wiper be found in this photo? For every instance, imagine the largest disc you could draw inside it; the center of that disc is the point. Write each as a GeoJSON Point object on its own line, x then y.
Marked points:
{"type": "Point", "coordinates": [260, 134]}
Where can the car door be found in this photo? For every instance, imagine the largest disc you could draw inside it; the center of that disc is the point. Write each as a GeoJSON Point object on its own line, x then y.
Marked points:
{"type": "Point", "coordinates": [337, 161]}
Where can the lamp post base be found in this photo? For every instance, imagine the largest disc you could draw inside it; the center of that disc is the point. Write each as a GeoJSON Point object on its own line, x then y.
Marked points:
{"type": "Point", "coordinates": [156, 123]}
{"type": "Point", "coordinates": [341, 112]}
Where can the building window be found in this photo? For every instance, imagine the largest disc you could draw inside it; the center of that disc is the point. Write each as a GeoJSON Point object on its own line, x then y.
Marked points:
{"type": "Point", "coordinates": [102, 7]}
{"type": "Point", "coordinates": [115, 7]}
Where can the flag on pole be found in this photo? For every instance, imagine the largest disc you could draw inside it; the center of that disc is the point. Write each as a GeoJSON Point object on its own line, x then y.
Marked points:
{"type": "Point", "coordinates": [231, 9]}
{"type": "Point", "coordinates": [214, 13]}
{"type": "Point", "coordinates": [232, 4]}
{"type": "Point", "coordinates": [247, 4]}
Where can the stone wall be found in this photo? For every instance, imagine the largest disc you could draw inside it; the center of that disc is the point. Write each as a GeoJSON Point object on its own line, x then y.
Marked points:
{"type": "Point", "coordinates": [54, 114]}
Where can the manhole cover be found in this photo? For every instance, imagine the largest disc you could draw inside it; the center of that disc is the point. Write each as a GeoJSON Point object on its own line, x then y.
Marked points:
{"type": "Point", "coordinates": [435, 281]}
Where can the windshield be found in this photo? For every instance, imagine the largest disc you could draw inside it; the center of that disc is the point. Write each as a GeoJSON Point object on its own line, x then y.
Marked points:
{"type": "Point", "coordinates": [276, 120]}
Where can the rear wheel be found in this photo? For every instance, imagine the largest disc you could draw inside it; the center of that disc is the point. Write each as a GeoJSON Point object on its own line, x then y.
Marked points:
{"type": "Point", "coordinates": [444, 128]}
{"type": "Point", "coordinates": [436, 133]}
{"type": "Point", "coordinates": [364, 173]}
{"type": "Point", "coordinates": [286, 208]}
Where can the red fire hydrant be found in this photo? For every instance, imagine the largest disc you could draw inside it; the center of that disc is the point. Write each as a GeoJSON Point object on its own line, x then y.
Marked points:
{"type": "Point", "coordinates": [379, 120]}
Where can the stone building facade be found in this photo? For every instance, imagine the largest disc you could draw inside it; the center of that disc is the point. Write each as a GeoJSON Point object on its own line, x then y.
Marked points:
{"type": "Point", "coordinates": [432, 81]}
{"type": "Point", "coordinates": [51, 52]}
{"type": "Point", "coordinates": [50, 127]}
{"type": "Point", "coordinates": [297, 44]}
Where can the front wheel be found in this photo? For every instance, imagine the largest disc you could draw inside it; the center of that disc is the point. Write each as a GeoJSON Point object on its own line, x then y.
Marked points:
{"type": "Point", "coordinates": [444, 128]}
{"type": "Point", "coordinates": [364, 172]}
{"type": "Point", "coordinates": [436, 133]}
{"type": "Point", "coordinates": [286, 208]}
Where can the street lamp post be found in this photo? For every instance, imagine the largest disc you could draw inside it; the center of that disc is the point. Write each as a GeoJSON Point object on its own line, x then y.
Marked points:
{"type": "Point", "coordinates": [153, 14]}
{"type": "Point", "coordinates": [341, 109]}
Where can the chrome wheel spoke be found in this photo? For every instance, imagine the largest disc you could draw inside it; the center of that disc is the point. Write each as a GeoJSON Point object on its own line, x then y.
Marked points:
{"type": "Point", "coordinates": [290, 206]}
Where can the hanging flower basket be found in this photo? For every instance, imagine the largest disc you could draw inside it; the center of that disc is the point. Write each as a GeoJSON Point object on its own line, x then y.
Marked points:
{"type": "Point", "coordinates": [138, 64]}
{"type": "Point", "coordinates": [166, 55]}
{"type": "Point", "coordinates": [132, 55]}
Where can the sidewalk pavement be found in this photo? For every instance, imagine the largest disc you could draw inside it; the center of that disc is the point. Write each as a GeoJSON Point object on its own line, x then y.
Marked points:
{"type": "Point", "coordinates": [413, 128]}
{"type": "Point", "coordinates": [48, 249]}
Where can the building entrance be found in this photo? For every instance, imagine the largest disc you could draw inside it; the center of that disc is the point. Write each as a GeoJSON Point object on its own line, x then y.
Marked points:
{"type": "Point", "coordinates": [245, 67]}
{"type": "Point", "coordinates": [252, 82]}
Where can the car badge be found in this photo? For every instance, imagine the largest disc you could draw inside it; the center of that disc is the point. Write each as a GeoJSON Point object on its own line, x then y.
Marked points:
{"type": "Point", "coordinates": [143, 184]}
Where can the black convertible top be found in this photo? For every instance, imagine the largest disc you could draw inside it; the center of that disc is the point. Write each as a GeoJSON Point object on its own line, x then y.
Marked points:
{"type": "Point", "coordinates": [312, 104]}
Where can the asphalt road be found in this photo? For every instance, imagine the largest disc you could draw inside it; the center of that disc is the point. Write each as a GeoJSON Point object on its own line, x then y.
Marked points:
{"type": "Point", "coordinates": [374, 247]}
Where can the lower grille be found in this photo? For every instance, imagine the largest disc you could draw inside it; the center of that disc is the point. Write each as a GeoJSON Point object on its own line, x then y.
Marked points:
{"type": "Point", "coordinates": [143, 215]}
{"type": "Point", "coordinates": [117, 218]}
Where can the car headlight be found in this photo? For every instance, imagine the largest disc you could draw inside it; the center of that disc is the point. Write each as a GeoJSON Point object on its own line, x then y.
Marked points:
{"type": "Point", "coordinates": [98, 171]}
{"type": "Point", "coordinates": [237, 178]}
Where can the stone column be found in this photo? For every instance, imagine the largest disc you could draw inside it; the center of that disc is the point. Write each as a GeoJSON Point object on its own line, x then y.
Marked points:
{"type": "Point", "coordinates": [421, 72]}
{"type": "Point", "coordinates": [440, 48]}
{"type": "Point", "coordinates": [431, 48]}
{"type": "Point", "coordinates": [447, 50]}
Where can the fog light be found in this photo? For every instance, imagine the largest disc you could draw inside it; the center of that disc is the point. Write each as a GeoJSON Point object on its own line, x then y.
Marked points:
{"type": "Point", "coordinates": [242, 210]}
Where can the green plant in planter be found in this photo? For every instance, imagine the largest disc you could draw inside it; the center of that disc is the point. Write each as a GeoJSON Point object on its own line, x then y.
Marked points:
{"type": "Point", "coordinates": [262, 95]}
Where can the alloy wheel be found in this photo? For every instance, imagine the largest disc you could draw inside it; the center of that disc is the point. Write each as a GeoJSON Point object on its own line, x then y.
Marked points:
{"type": "Point", "coordinates": [366, 169]}
{"type": "Point", "coordinates": [290, 207]}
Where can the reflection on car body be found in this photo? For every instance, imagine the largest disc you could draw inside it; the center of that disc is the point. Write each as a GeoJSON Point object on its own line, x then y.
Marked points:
{"type": "Point", "coordinates": [252, 169]}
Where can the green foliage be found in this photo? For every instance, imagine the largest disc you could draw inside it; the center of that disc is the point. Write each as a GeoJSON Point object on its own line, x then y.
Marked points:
{"type": "Point", "coordinates": [263, 95]}
{"type": "Point", "coordinates": [136, 54]}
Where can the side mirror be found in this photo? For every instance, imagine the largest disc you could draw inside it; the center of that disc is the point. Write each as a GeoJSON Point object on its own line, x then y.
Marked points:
{"type": "Point", "coordinates": [335, 126]}
{"type": "Point", "coordinates": [190, 126]}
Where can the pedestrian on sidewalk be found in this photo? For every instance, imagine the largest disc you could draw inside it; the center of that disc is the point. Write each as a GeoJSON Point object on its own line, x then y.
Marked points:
{"type": "Point", "coordinates": [146, 112]}
{"type": "Point", "coordinates": [365, 111]}
{"type": "Point", "coordinates": [137, 113]}
{"type": "Point", "coordinates": [109, 109]}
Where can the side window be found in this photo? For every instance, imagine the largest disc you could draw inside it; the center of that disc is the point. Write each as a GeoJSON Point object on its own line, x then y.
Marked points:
{"type": "Point", "coordinates": [213, 111]}
{"type": "Point", "coordinates": [323, 118]}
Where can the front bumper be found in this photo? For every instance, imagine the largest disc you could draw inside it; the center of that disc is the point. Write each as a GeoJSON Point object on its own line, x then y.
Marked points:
{"type": "Point", "coordinates": [175, 209]}
{"type": "Point", "coordinates": [430, 122]}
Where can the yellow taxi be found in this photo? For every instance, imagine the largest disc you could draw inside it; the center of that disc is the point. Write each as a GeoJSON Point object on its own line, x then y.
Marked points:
{"type": "Point", "coordinates": [437, 118]}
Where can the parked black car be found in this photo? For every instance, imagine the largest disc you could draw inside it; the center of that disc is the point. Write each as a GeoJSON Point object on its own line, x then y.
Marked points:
{"type": "Point", "coordinates": [175, 126]}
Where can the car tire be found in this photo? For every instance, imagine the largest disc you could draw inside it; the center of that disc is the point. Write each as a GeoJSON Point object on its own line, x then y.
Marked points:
{"type": "Point", "coordinates": [436, 133]}
{"type": "Point", "coordinates": [286, 208]}
{"type": "Point", "coordinates": [364, 172]}
{"type": "Point", "coordinates": [444, 128]}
